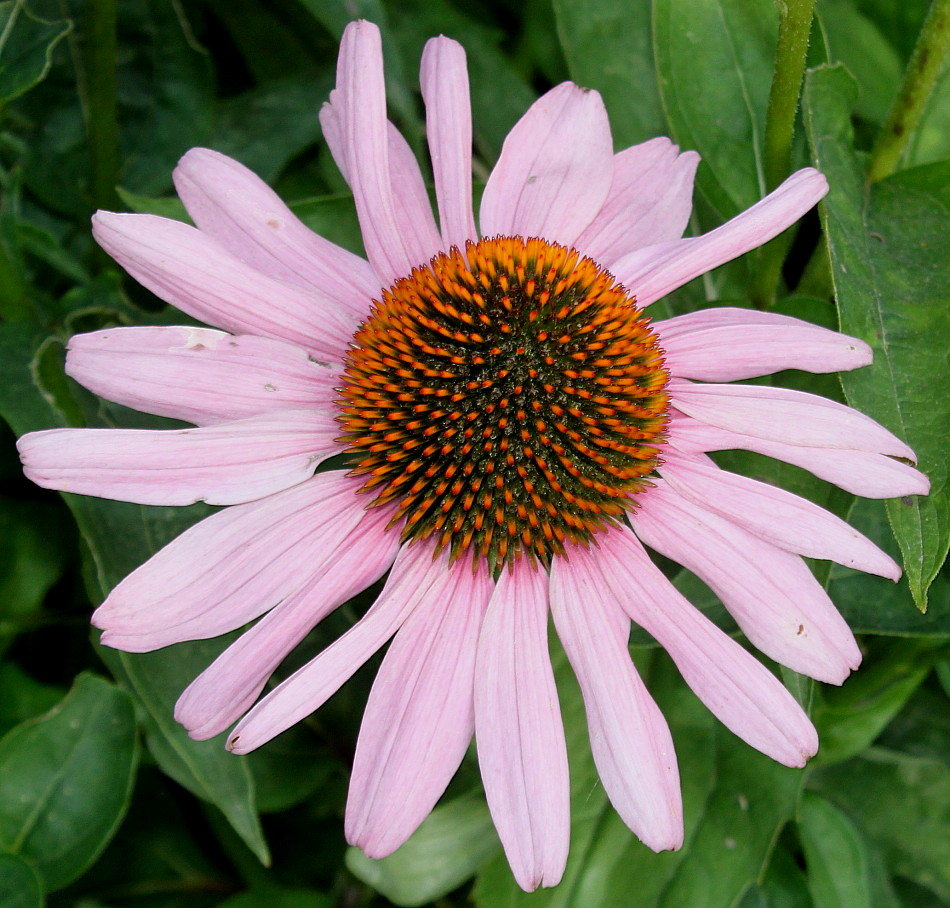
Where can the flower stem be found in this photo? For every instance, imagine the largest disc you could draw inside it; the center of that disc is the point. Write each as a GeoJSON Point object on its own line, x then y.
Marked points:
{"type": "Point", "coordinates": [98, 55]}
{"type": "Point", "coordinates": [793, 30]}
{"type": "Point", "coordinates": [920, 78]}
{"type": "Point", "coordinates": [794, 27]}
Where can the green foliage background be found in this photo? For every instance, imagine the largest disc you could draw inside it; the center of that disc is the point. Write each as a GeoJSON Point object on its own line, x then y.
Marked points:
{"type": "Point", "coordinates": [104, 801]}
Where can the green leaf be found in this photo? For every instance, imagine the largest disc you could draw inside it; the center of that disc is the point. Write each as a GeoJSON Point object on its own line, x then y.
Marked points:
{"type": "Point", "coordinates": [608, 46]}
{"type": "Point", "coordinates": [163, 846]}
{"type": "Point", "coordinates": [922, 728]}
{"type": "Point", "coordinates": [166, 100]}
{"type": "Point", "coordinates": [22, 404]}
{"type": "Point", "coordinates": [22, 697]}
{"type": "Point", "coordinates": [26, 48]}
{"type": "Point", "coordinates": [874, 605]}
{"type": "Point", "coordinates": [333, 217]}
{"type": "Point", "coordinates": [890, 257]}
{"type": "Point", "coordinates": [835, 854]}
{"type": "Point", "coordinates": [714, 59]}
{"type": "Point", "coordinates": [32, 559]}
{"type": "Point", "coordinates": [164, 207]}
{"type": "Point", "coordinates": [854, 40]}
{"type": "Point", "coordinates": [20, 887]}
{"type": "Point", "coordinates": [42, 244]}
{"type": "Point", "coordinates": [783, 885]}
{"type": "Point", "coordinates": [753, 799]}
{"type": "Point", "coordinates": [447, 849]}
{"type": "Point", "coordinates": [903, 804]}
{"type": "Point", "coordinates": [849, 718]}
{"type": "Point", "coordinates": [291, 769]}
{"type": "Point", "coordinates": [66, 779]}
{"type": "Point", "coordinates": [279, 898]}
{"type": "Point", "coordinates": [205, 768]}
{"type": "Point", "coordinates": [268, 126]}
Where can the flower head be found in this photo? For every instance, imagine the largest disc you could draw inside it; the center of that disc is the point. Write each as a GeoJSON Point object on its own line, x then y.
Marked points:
{"type": "Point", "coordinates": [516, 429]}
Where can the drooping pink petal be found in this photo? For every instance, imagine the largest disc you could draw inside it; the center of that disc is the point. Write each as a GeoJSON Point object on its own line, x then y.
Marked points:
{"type": "Point", "coordinates": [554, 171]}
{"type": "Point", "coordinates": [746, 697]}
{"type": "Point", "coordinates": [861, 473]}
{"type": "Point", "coordinates": [418, 720]}
{"type": "Point", "coordinates": [629, 737]}
{"type": "Point", "coordinates": [342, 567]}
{"type": "Point", "coordinates": [787, 416]}
{"type": "Point", "coordinates": [444, 80]}
{"type": "Point", "coordinates": [198, 375]}
{"type": "Point", "coordinates": [772, 595]}
{"type": "Point", "coordinates": [731, 344]}
{"type": "Point", "coordinates": [779, 517]}
{"type": "Point", "coordinates": [191, 271]}
{"type": "Point", "coordinates": [231, 567]}
{"type": "Point", "coordinates": [398, 229]}
{"type": "Point", "coordinates": [228, 463]}
{"type": "Point", "coordinates": [518, 730]}
{"type": "Point", "coordinates": [234, 206]}
{"type": "Point", "coordinates": [654, 271]}
{"type": "Point", "coordinates": [650, 201]}
{"type": "Point", "coordinates": [416, 581]}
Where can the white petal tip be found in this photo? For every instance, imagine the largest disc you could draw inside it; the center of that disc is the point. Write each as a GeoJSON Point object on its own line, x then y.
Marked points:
{"type": "Point", "coordinates": [670, 841]}
{"type": "Point", "coordinates": [199, 734]}
{"type": "Point", "coordinates": [539, 879]}
{"type": "Point", "coordinates": [891, 571]}
{"type": "Point", "coordinates": [374, 847]}
{"type": "Point", "coordinates": [237, 745]}
{"type": "Point", "coordinates": [799, 751]}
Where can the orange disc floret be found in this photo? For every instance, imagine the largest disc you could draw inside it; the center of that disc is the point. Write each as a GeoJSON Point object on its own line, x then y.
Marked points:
{"type": "Point", "coordinates": [507, 400]}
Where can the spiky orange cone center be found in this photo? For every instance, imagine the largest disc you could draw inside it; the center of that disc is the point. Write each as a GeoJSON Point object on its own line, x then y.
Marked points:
{"type": "Point", "coordinates": [508, 400]}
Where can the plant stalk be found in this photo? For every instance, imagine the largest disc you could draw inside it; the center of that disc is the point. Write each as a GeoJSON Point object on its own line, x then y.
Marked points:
{"type": "Point", "coordinates": [920, 79]}
{"type": "Point", "coordinates": [795, 17]}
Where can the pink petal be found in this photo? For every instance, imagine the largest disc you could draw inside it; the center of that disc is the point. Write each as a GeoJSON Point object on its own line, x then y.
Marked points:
{"type": "Point", "coordinates": [791, 417]}
{"type": "Point", "coordinates": [772, 595]}
{"type": "Point", "coordinates": [444, 78]}
{"type": "Point", "coordinates": [238, 209]}
{"type": "Point", "coordinates": [225, 464]}
{"type": "Point", "coordinates": [231, 567]}
{"type": "Point", "coordinates": [866, 474]}
{"type": "Point", "coordinates": [735, 686]}
{"type": "Point", "coordinates": [413, 208]}
{"type": "Point", "coordinates": [629, 737]}
{"type": "Point", "coordinates": [731, 344]}
{"type": "Point", "coordinates": [343, 566]}
{"type": "Point", "coordinates": [192, 272]}
{"type": "Point", "coordinates": [395, 216]}
{"type": "Point", "coordinates": [554, 171]}
{"type": "Point", "coordinates": [650, 201]}
{"type": "Point", "coordinates": [654, 271]}
{"type": "Point", "coordinates": [418, 721]}
{"type": "Point", "coordinates": [518, 730]}
{"type": "Point", "coordinates": [198, 375]}
{"type": "Point", "coordinates": [416, 581]}
{"type": "Point", "coordinates": [779, 517]}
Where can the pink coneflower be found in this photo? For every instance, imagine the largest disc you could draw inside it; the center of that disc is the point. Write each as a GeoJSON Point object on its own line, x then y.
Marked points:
{"type": "Point", "coordinates": [516, 430]}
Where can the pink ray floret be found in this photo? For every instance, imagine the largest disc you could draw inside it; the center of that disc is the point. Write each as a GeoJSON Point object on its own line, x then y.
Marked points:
{"type": "Point", "coordinates": [469, 648]}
